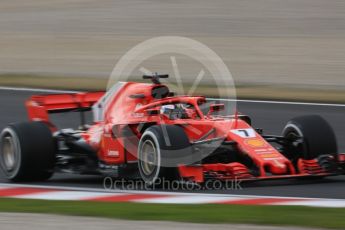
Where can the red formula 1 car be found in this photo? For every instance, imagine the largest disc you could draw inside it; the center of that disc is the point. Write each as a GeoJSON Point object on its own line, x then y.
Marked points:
{"type": "Point", "coordinates": [143, 130]}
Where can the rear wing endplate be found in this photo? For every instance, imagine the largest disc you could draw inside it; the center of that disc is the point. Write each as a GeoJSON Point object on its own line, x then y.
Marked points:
{"type": "Point", "coordinates": [40, 106]}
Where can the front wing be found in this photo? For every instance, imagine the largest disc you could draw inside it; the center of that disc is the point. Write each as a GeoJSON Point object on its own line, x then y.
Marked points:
{"type": "Point", "coordinates": [237, 171]}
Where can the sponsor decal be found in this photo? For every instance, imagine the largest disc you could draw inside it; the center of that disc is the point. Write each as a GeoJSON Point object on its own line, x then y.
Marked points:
{"type": "Point", "coordinates": [270, 155]}
{"type": "Point", "coordinates": [113, 153]}
{"type": "Point", "coordinates": [255, 143]}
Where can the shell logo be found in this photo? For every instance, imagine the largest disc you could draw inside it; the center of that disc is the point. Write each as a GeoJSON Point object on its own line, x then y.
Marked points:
{"type": "Point", "coordinates": [256, 143]}
{"type": "Point", "coordinates": [271, 155]}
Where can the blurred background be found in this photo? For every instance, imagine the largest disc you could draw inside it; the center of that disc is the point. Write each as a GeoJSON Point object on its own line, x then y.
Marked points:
{"type": "Point", "coordinates": [292, 50]}
{"type": "Point", "coordinates": [287, 44]}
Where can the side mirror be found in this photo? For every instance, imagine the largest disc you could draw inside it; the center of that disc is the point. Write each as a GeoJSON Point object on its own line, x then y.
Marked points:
{"type": "Point", "coordinates": [216, 108]}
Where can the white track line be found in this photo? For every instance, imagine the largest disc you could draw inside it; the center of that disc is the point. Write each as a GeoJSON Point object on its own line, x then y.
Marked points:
{"type": "Point", "coordinates": [195, 199]}
{"type": "Point", "coordinates": [37, 90]}
{"type": "Point", "coordinates": [187, 194]}
{"type": "Point", "coordinates": [246, 101]}
{"type": "Point", "coordinates": [282, 102]}
{"type": "Point", "coordinates": [171, 198]}
{"type": "Point", "coordinates": [315, 203]}
{"type": "Point", "coordinates": [63, 195]}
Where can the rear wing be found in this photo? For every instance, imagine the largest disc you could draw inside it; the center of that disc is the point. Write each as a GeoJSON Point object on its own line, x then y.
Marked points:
{"type": "Point", "coordinates": [40, 106]}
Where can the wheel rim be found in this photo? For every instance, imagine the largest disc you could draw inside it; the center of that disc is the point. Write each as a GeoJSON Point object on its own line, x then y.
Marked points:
{"type": "Point", "coordinates": [294, 134]}
{"type": "Point", "coordinates": [148, 159]}
{"type": "Point", "coordinates": [9, 153]}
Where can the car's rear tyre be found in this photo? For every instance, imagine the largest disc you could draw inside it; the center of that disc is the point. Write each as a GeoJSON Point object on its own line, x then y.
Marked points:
{"type": "Point", "coordinates": [27, 152]}
{"type": "Point", "coordinates": [314, 135]}
{"type": "Point", "coordinates": [159, 151]}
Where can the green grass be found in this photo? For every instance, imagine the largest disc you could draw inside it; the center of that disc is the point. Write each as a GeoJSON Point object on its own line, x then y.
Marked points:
{"type": "Point", "coordinates": [263, 215]}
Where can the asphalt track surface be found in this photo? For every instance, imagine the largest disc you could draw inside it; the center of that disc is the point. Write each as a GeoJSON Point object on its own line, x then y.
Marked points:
{"type": "Point", "coordinates": [270, 116]}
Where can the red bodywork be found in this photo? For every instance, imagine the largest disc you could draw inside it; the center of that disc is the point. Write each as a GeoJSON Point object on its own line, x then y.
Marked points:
{"type": "Point", "coordinates": [133, 104]}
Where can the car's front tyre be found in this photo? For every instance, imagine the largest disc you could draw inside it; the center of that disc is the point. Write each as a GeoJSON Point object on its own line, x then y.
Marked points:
{"type": "Point", "coordinates": [314, 134]}
{"type": "Point", "coordinates": [161, 149]}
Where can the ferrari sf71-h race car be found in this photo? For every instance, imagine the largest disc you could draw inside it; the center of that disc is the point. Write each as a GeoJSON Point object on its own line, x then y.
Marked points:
{"type": "Point", "coordinates": [143, 130]}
